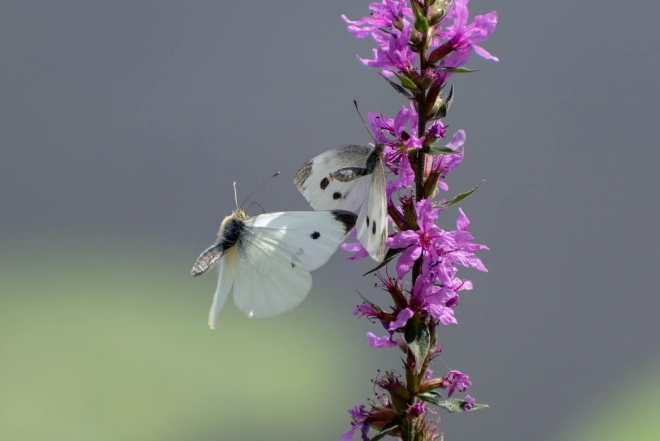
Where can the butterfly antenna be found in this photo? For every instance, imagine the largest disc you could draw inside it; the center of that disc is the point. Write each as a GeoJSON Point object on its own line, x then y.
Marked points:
{"type": "Point", "coordinates": [363, 121]}
{"type": "Point", "coordinates": [235, 195]}
{"type": "Point", "coordinates": [258, 205]}
{"type": "Point", "coordinates": [259, 188]}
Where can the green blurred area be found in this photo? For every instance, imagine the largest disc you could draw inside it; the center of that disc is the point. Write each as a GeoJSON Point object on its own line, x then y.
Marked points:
{"type": "Point", "coordinates": [107, 340]}
{"type": "Point", "coordinates": [628, 410]}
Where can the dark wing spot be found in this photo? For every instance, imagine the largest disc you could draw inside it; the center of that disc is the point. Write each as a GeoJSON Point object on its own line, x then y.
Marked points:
{"type": "Point", "coordinates": [315, 235]}
{"type": "Point", "coordinates": [336, 195]}
{"type": "Point", "coordinates": [367, 221]}
{"type": "Point", "coordinates": [373, 227]}
{"type": "Point", "coordinates": [301, 175]}
{"type": "Point", "coordinates": [345, 217]}
{"type": "Point", "coordinates": [293, 265]}
{"type": "Point", "coordinates": [324, 183]}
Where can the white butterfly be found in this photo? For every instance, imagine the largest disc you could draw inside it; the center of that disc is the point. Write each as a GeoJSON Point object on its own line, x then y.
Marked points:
{"type": "Point", "coordinates": [347, 178]}
{"type": "Point", "coordinates": [265, 260]}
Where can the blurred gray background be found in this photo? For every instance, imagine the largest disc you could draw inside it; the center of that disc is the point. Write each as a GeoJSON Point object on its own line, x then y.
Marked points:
{"type": "Point", "coordinates": [124, 123]}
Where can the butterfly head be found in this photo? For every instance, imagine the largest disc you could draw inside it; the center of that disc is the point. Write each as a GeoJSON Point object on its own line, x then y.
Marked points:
{"type": "Point", "coordinates": [239, 214]}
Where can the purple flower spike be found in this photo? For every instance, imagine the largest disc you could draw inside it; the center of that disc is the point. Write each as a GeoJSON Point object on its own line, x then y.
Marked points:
{"type": "Point", "coordinates": [416, 44]}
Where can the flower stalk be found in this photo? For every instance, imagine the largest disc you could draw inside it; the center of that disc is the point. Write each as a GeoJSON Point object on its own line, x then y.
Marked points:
{"type": "Point", "coordinates": [420, 45]}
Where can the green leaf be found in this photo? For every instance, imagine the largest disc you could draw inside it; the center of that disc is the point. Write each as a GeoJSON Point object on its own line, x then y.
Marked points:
{"type": "Point", "coordinates": [390, 426]}
{"type": "Point", "coordinates": [400, 89]}
{"type": "Point", "coordinates": [444, 107]}
{"type": "Point", "coordinates": [458, 69]}
{"type": "Point", "coordinates": [456, 405]}
{"type": "Point", "coordinates": [459, 197]}
{"type": "Point", "coordinates": [431, 396]}
{"type": "Point", "coordinates": [386, 430]}
{"type": "Point", "coordinates": [391, 254]}
{"type": "Point", "coordinates": [418, 338]}
{"type": "Point", "coordinates": [406, 82]}
{"type": "Point", "coordinates": [442, 150]}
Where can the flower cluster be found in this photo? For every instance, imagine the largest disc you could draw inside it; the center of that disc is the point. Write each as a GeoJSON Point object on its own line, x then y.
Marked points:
{"type": "Point", "coordinates": [420, 44]}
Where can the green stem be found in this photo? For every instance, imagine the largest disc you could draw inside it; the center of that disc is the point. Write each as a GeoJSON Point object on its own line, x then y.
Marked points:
{"type": "Point", "coordinates": [420, 97]}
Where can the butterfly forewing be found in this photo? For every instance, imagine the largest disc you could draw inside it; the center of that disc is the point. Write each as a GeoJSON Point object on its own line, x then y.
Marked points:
{"type": "Point", "coordinates": [365, 194]}
{"type": "Point", "coordinates": [304, 238]}
{"type": "Point", "coordinates": [323, 193]}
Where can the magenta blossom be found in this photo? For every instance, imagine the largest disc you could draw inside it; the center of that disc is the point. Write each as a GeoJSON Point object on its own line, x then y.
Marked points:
{"type": "Point", "coordinates": [417, 242]}
{"type": "Point", "coordinates": [393, 52]}
{"type": "Point", "coordinates": [445, 164]}
{"type": "Point", "coordinates": [469, 403]}
{"type": "Point", "coordinates": [463, 37]}
{"type": "Point", "coordinates": [380, 342]}
{"type": "Point", "coordinates": [456, 381]}
{"type": "Point", "coordinates": [433, 298]}
{"type": "Point", "coordinates": [359, 416]}
{"type": "Point", "coordinates": [387, 14]}
{"type": "Point", "coordinates": [417, 409]}
{"type": "Point", "coordinates": [401, 130]}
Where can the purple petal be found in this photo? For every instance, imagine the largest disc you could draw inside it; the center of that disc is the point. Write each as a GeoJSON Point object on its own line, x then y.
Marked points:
{"type": "Point", "coordinates": [457, 140]}
{"type": "Point", "coordinates": [380, 342]}
{"type": "Point", "coordinates": [348, 436]}
{"type": "Point", "coordinates": [403, 239]}
{"type": "Point", "coordinates": [401, 319]}
{"type": "Point", "coordinates": [357, 248]}
{"type": "Point", "coordinates": [406, 260]}
{"type": "Point", "coordinates": [462, 223]}
{"type": "Point", "coordinates": [484, 53]}
{"type": "Point", "coordinates": [442, 313]}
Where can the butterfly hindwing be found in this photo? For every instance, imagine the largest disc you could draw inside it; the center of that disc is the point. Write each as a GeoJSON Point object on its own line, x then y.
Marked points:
{"type": "Point", "coordinates": [372, 221]}
{"type": "Point", "coordinates": [227, 268]}
{"type": "Point", "coordinates": [265, 284]}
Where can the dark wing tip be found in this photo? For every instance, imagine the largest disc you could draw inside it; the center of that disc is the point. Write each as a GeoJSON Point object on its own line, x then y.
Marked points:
{"type": "Point", "coordinates": [303, 174]}
{"type": "Point", "coordinates": [345, 217]}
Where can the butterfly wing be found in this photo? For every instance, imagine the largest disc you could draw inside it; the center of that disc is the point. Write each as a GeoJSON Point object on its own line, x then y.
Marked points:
{"type": "Point", "coordinates": [367, 192]}
{"type": "Point", "coordinates": [372, 221]}
{"type": "Point", "coordinates": [323, 193]}
{"type": "Point", "coordinates": [276, 253]}
{"type": "Point", "coordinates": [227, 267]}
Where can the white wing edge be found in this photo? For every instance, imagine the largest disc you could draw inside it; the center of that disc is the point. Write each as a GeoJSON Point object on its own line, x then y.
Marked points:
{"type": "Point", "coordinates": [227, 269]}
